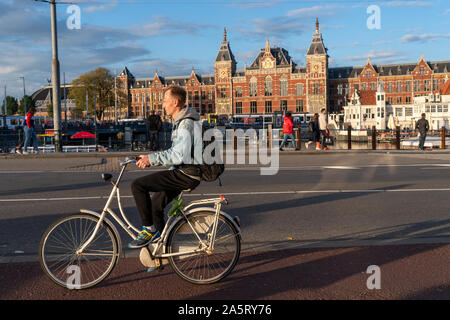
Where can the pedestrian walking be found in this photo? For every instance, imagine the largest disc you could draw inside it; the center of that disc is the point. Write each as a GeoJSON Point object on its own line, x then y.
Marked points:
{"type": "Point", "coordinates": [154, 126]}
{"type": "Point", "coordinates": [30, 132]}
{"type": "Point", "coordinates": [314, 129]}
{"type": "Point", "coordinates": [323, 127]}
{"type": "Point", "coordinates": [288, 131]}
{"type": "Point", "coordinates": [422, 126]}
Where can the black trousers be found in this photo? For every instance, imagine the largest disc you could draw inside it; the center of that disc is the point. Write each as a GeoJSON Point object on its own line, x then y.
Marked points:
{"type": "Point", "coordinates": [166, 186]}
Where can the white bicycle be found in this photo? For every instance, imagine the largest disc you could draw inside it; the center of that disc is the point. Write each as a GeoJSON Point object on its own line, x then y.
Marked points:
{"type": "Point", "coordinates": [202, 244]}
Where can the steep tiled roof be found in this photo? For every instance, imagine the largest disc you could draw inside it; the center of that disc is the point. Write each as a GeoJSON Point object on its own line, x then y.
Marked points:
{"type": "Point", "coordinates": [344, 72]}
{"type": "Point", "coordinates": [317, 46]}
{"type": "Point", "coordinates": [281, 56]}
{"type": "Point", "coordinates": [225, 53]}
{"type": "Point", "coordinates": [126, 72]}
{"type": "Point", "coordinates": [445, 89]}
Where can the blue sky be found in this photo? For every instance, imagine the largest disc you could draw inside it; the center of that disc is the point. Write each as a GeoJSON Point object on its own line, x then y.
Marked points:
{"type": "Point", "coordinates": [175, 36]}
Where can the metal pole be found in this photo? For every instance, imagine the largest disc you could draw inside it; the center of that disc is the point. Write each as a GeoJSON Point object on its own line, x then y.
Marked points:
{"type": "Point", "coordinates": [65, 100]}
{"type": "Point", "coordinates": [115, 98]}
{"type": "Point", "coordinates": [55, 81]}
{"type": "Point", "coordinates": [299, 138]}
{"type": "Point", "coordinates": [397, 137]}
{"type": "Point", "coordinates": [95, 122]}
{"type": "Point", "coordinates": [5, 110]}
{"type": "Point", "coordinates": [24, 101]}
{"type": "Point", "coordinates": [374, 138]}
{"type": "Point", "coordinates": [349, 137]}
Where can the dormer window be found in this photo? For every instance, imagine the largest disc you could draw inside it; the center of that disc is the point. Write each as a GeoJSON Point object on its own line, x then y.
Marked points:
{"type": "Point", "coordinates": [368, 74]}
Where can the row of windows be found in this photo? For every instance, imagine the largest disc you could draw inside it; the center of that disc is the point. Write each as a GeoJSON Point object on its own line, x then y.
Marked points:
{"type": "Point", "coordinates": [268, 88]}
{"type": "Point", "coordinates": [370, 74]}
{"type": "Point", "coordinates": [391, 86]}
{"type": "Point", "coordinates": [268, 106]}
{"type": "Point", "coordinates": [158, 96]}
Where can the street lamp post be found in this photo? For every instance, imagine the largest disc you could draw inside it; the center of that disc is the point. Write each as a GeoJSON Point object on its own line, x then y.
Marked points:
{"type": "Point", "coordinates": [55, 76]}
{"type": "Point", "coordinates": [55, 81]}
{"type": "Point", "coordinates": [24, 101]}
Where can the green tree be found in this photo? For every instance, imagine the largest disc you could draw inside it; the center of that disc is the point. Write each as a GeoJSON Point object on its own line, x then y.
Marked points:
{"type": "Point", "coordinates": [50, 109]}
{"type": "Point", "coordinates": [30, 103]}
{"type": "Point", "coordinates": [99, 82]}
{"type": "Point", "coordinates": [12, 105]}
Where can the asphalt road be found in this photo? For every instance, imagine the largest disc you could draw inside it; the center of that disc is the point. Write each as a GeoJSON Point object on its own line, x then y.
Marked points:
{"type": "Point", "coordinates": [325, 216]}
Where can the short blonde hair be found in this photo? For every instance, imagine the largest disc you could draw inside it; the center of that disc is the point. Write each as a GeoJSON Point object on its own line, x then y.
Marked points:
{"type": "Point", "coordinates": [177, 92]}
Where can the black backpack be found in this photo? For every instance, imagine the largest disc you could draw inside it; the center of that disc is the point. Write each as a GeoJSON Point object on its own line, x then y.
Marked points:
{"type": "Point", "coordinates": [209, 172]}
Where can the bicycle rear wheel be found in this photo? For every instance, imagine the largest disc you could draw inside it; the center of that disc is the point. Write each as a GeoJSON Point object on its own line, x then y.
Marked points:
{"type": "Point", "coordinates": [58, 257]}
{"type": "Point", "coordinates": [203, 267]}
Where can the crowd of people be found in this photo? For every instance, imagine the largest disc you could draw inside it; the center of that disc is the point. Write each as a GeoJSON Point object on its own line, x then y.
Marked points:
{"type": "Point", "coordinates": [317, 127]}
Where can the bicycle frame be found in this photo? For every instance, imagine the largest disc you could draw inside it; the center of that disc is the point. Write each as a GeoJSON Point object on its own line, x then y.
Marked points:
{"type": "Point", "coordinates": [129, 228]}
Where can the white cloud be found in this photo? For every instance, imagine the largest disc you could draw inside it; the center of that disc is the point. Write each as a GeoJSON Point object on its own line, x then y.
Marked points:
{"type": "Point", "coordinates": [411, 3]}
{"type": "Point", "coordinates": [105, 7]}
{"type": "Point", "coordinates": [422, 38]}
{"type": "Point", "coordinates": [374, 55]}
{"type": "Point", "coordinates": [163, 25]}
{"type": "Point", "coordinates": [254, 4]}
{"type": "Point", "coordinates": [322, 10]}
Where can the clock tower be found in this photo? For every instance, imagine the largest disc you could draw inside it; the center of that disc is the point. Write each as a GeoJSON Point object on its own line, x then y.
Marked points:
{"type": "Point", "coordinates": [224, 69]}
{"type": "Point", "coordinates": [317, 74]}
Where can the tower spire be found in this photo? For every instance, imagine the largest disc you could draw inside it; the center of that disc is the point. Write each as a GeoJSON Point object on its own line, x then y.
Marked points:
{"type": "Point", "coordinates": [267, 46]}
{"type": "Point", "coordinates": [317, 25]}
{"type": "Point", "coordinates": [224, 34]}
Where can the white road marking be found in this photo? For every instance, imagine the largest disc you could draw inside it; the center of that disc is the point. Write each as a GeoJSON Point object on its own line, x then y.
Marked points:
{"type": "Point", "coordinates": [426, 166]}
{"type": "Point", "coordinates": [253, 193]}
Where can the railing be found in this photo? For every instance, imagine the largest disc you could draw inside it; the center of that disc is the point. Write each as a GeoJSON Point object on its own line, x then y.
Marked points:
{"type": "Point", "coordinates": [51, 149]}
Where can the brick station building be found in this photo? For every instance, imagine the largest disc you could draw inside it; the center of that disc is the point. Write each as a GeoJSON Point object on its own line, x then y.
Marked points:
{"type": "Point", "coordinates": [274, 83]}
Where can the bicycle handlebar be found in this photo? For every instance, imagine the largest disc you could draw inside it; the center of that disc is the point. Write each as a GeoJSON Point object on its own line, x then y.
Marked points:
{"type": "Point", "coordinates": [129, 159]}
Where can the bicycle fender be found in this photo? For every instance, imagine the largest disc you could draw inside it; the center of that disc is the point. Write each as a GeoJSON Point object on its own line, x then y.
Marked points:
{"type": "Point", "coordinates": [110, 224]}
{"type": "Point", "coordinates": [204, 209]}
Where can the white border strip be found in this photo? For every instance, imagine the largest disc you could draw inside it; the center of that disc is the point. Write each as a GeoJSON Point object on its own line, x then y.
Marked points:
{"type": "Point", "coordinates": [253, 193]}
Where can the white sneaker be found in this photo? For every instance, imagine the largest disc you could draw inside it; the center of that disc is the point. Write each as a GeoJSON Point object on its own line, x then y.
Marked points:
{"type": "Point", "coordinates": [308, 143]}
{"type": "Point", "coordinates": [318, 149]}
{"type": "Point", "coordinates": [25, 152]}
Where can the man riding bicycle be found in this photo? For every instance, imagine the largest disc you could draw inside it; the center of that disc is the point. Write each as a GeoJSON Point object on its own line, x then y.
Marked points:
{"type": "Point", "coordinates": [183, 173]}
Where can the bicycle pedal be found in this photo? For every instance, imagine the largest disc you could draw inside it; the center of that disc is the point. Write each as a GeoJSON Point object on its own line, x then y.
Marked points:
{"type": "Point", "coordinates": [151, 269]}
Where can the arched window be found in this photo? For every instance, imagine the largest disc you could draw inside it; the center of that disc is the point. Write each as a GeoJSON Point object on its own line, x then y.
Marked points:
{"type": "Point", "coordinates": [253, 87]}
{"type": "Point", "coordinates": [283, 87]}
{"type": "Point", "coordinates": [268, 86]}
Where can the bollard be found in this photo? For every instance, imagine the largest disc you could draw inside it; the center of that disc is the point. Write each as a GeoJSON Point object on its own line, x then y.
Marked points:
{"type": "Point", "coordinates": [234, 139]}
{"type": "Point", "coordinates": [443, 137]}
{"type": "Point", "coordinates": [299, 138]}
{"type": "Point", "coordinates": [269, 136]}
{"type": "Point", "coordinates": [349, 137]}
{"type": "Point", "coordinates": [397, 137]}
{"type": "Point", "coordinates": [374, 138]}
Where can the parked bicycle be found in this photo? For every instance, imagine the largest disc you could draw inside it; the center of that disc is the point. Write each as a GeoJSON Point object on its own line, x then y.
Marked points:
{"type": "Point", "coordinates": [201, 243]}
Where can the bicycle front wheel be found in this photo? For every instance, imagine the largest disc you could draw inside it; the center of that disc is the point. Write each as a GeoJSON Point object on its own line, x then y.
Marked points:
{"type": "Point", "coordinates": [203, 267]}
{"type": "Point", "coordinates": [58, 251]}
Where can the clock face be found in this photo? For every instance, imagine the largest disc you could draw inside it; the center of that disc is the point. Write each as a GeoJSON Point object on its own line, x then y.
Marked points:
{"type": "Point", "coordinates": [316, 67]}
{"type": "Point", "coordinates": [267, 63]}
{"type": "Point", "coordinates": [223, 73]}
